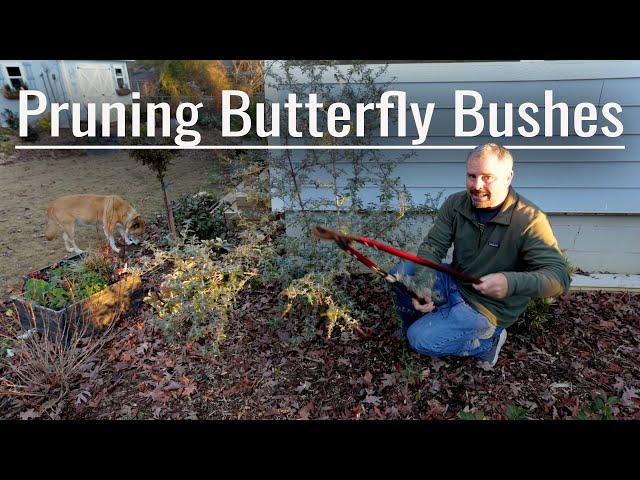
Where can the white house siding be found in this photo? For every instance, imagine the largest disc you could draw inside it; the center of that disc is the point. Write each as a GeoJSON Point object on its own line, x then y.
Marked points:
{"type": "Point", "coordinates": [67, 81]}
{"type": "Point", "coordinates": [592, 196]}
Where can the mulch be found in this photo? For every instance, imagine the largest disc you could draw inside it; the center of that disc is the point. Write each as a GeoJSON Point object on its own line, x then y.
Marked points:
{"type": "Point", "coordinates": [583, 362]}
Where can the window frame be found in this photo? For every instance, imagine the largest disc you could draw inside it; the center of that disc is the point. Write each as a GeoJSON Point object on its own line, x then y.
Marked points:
{"type": "Point", "coordinates": [120, 76]}
{"type": "Point", "coordinates": [23, 76]}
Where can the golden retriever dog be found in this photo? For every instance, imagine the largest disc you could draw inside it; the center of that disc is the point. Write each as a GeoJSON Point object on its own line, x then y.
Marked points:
{"type": "Point", "coordinates": [112, 211]}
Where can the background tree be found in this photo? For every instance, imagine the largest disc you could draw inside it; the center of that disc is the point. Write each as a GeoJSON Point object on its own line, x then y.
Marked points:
{"type": "Point", "coordinates": [159, 161]}
{"type": "Point", "coordinates": [194, 79]}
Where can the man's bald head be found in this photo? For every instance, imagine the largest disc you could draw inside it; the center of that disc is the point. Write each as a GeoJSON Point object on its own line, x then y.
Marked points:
{"type": "Point", "coordinates": [495, 150]}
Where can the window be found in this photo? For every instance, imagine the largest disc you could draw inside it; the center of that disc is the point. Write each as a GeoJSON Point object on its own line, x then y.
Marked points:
{"type": "Point", "coordinates": [15, 78]}
{"type": "Point", "coordinates": [120, 78]}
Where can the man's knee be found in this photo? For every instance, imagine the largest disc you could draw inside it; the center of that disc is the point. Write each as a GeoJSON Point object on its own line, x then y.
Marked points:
{"type": "Point", "coordinates": [422, 339]}
{"type": "Point", "coordinates": [404, 269]}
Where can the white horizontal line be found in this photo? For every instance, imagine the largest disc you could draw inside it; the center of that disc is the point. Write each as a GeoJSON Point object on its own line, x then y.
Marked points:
{"type": "Point", "coordinates": [312, 147]}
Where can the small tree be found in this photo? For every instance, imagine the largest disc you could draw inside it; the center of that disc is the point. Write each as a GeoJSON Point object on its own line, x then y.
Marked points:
{"type": "Point", "coordinates": [159, 161]}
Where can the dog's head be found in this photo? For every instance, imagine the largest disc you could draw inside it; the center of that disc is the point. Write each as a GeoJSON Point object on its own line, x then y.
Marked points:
{"type": "Point", "coordinates": [135, 226]}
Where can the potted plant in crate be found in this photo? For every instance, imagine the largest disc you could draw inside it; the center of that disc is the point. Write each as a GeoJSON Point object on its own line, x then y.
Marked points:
{"type": "Point", "coordinates": [123, 91]}
{"type": "Point", "coordinates": [87, 291]}
{"type": "Point", "coordinates": [11, 93]}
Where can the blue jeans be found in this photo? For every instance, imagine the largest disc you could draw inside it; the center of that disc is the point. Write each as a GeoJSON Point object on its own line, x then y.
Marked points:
{"type": "Point", "coordinates": [454, 328]}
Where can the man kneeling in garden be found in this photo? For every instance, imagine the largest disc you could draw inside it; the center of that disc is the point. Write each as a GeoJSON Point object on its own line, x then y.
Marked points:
{"type": "Point", "coordinates": [498, 236]}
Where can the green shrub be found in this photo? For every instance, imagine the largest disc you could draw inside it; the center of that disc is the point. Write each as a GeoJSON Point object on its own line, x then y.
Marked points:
{"type": "Point", "coordinates": [537, 312]}
{"type": "Point", "coordinates": [43, 124]}
{"type": "Point", "coordinates": [516, 413]}
{"type": "Point", "coordinates": [538, 309]}
{"type": "Point", "coordinates": [13, 123]}
{"type": "Point", "coordinates": [570, 266]}
{"type": "Point", "coordinates": [7, 144]}
{"type": "Point", "coordinates": [479, 415]}
{"type": "Point", "coordinates": [206, 120]}
{"type": "Point", "coordinates": [193, 302]}
{"type": "Point", "coordinates": [128, 116]}
{"type": "Point", "coordinates": [32, 135]}
{"type": "Point", "coordinates": [414, 374]}
{"type": "Point", "coordinates": [6, 347]}
{"type": "Point", "coordinates": [193, 212]}
{"type": "Point", "coordinates": [599, 409]}
{"type": "Point", "coordinates": [315, 297]}
{"type": "Point", "coordinates": [11, 119]}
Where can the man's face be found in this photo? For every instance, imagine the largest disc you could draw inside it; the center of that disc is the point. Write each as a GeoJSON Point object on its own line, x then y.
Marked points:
{"type": "Point", "coordinates": [488, 180]}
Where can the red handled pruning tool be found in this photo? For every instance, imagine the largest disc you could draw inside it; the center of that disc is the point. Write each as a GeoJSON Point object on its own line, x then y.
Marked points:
{"type": "Point", "coordinates": [344, 242]}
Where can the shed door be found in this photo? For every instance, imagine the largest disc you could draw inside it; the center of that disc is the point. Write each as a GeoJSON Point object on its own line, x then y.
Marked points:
{"type": "Point", "coordinates": [95, 83]}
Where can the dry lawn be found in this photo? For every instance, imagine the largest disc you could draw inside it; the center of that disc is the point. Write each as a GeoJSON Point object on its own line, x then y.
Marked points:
{"type": "Point", "coordinates": [27, 186]}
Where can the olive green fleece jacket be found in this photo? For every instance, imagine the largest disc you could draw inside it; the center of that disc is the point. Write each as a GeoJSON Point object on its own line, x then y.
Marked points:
{"type": "Point", "coordinates": [518, 242]}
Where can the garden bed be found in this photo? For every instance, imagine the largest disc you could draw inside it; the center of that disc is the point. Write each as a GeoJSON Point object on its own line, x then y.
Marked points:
{"type": "Point", "coordinates": [58, 299]}
{"type": "Point", "coordinates": [575, 365]}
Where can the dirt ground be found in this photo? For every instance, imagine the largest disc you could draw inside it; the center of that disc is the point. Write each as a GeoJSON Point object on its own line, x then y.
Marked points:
{"type": "Point", "coordinates": [27, 186]}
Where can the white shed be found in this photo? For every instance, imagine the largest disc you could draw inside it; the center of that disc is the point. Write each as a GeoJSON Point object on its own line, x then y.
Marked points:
{"type": "Point", "coordinates": [592, 196]}
{"type": "Point", "coordinates": [79, 81]}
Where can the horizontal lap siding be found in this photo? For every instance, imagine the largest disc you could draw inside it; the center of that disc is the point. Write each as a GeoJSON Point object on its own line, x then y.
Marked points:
{"type": "Point", "coordinates": [572, 200]}
{"type": "Point", "coordinates": [600, 244]}
{"type": "Point", "coordinates": [443, 125]}
{"type": "Point", "coordinates": [578, 181]}
{"type": "Point", "coordinates": [562, 182]}
{"type": "Point", "coordinates": [631, 142]}
{"type": "Point", "coordinates": [571, 181]}
{"type": "Point", "coordinates": [529, 175]}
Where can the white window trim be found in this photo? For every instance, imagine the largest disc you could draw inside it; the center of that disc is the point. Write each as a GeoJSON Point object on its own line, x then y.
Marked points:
{"type": "Point", "coordinates": [23, 75]}
{"type": "Point", "coordinates": [125, 80]}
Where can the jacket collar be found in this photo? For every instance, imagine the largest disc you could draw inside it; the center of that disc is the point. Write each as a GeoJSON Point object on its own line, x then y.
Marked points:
{"type": "Point", "coordinates": [503, 216]}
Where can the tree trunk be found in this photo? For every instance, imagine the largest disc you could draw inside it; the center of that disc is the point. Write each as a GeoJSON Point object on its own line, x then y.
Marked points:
{"type": "Point", "coordinates": [167, 205]}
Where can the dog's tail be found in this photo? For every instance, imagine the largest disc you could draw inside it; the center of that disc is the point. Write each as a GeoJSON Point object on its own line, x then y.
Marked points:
{"type": "Point", "coordinates": [53, 229]}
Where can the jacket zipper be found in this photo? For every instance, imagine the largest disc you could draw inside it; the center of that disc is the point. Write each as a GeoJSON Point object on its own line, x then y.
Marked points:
{"type": "Point", "coordinates": [481, 226]}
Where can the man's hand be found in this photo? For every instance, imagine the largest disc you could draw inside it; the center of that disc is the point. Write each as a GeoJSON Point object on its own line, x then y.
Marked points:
{"type": "Point", "coordinates": [428, 306]}
{"type": "Point", "coordinates": [494, 285]}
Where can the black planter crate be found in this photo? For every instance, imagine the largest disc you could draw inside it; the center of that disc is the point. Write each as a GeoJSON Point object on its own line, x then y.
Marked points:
{"type": "Point", "coordinates": [88, 315]}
